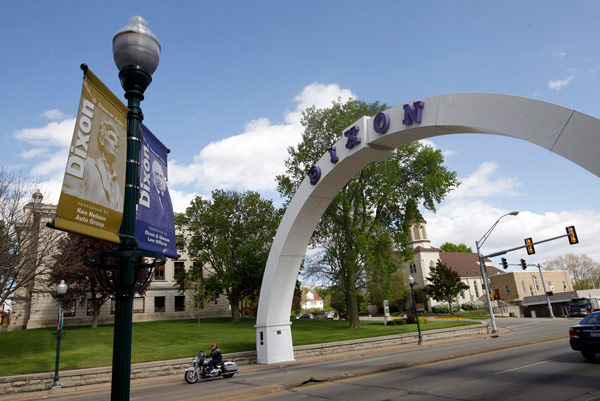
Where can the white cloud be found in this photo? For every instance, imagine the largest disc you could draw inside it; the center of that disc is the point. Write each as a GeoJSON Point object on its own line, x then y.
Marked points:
{"type": "Point", "coordinates": [467, 222]}
{"type": "Point", "coordinates": [48, 146]}
{"type": "Point", "coordinates": [466, 217]}
{"type": "Point", "coordinates": [484, 182]}
{"type": "Point", "coordinates": [559, 84]}
{"type": "Point", "coordinates": [560, 54]}
{"type": "Point", "coordinates": [252, 159]}
{"type": "Point", "coordinates": [55, 114]}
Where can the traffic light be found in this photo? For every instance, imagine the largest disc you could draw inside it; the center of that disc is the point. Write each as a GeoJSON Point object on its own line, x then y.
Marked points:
{"type": "Point", "coordinates": [572, 235]}
{"type": "Point", "coordinates": [523, 264]}
{"type": "Point", "coordinates": [530, 248]}
{"type": "Point", "coordinates": [504, 263]}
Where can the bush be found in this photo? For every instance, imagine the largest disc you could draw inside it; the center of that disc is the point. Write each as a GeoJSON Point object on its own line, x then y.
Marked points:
{"type": "Point", "coordinates": [443, 308]}
{"type": "Point", "coordinates": [396, 322]}
{"type": "Point", "coordinates": [440, 308]}
{"type": "Point", "coordinates": [472, 305]}
{"type": "Point", "coordinates": [413, 320]}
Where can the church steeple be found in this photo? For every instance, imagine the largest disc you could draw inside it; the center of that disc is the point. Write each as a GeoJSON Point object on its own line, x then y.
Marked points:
{"type": "Point", "coordinates": [417, 235]}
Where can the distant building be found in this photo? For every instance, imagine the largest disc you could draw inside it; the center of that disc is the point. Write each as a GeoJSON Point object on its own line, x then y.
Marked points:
{"type": "Point", "coordinates": [311, 300]}
{"type": "Point", "coordinates": [513, 287]}
{"type": "Point", "coordinates": [426, 257]}
{"type": "Point", "coordinates": [34, 305]}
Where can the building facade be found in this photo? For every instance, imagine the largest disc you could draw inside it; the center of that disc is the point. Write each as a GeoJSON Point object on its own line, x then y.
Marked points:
{"type": "Point", "coordinates": [426, 257]}
{"type": "Point", "coordinates": [35, 306]}
{"type": "Point", "coordinates": [512, 287]}
{"type": "Point", "coordinates": [311, 300]}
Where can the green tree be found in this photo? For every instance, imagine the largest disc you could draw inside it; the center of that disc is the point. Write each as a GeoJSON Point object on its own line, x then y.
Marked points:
{"type": "Point", "coordinates": [444, 284]}
{"type": "Point", "coordinates": [584, 271]}
{"type": "Point", "coordinates": [369, 217]}
{"type": "Point", "coordinates": [450, 247]}
{"type": "Point", "coordinates": [231, 236]}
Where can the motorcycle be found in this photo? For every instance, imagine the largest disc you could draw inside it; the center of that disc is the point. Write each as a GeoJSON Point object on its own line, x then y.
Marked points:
{"type": "Point", "coordinates": [199, 369]}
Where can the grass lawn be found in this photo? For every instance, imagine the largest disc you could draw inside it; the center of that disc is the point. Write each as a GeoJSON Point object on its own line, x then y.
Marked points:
{"type": "Point", "coordinates": [32, 351]}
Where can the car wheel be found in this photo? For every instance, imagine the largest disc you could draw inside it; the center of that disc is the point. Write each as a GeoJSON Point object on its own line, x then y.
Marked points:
{"type": "Point", "coordinates": [227, 375]}
{"type": "Point", "coordinates": [588, 355]}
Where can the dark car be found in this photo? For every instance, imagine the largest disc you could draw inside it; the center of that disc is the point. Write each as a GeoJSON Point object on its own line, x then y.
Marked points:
{"type": "Point", "coordinates": [306, 316]}
{"type": "Point", "coordinates": [585, 337]}
{"type": "Point", "coordinates": [343, 315]}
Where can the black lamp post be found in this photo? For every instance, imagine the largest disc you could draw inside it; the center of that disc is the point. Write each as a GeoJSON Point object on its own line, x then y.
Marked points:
{"type": "Point", "coordinates": [411, 282]}
{"type": "Point", "coordinates": [61, 289]}
{"type": "Point", "coordinates": [136, 52]}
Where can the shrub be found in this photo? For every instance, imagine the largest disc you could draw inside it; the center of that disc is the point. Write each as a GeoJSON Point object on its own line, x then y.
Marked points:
{"type": "Point", "coordinates": [413, 320]}
{"type": "Point", "coordinates": [440, 308]}
{"type": "Point", "coordinates": [472, 305]}
{"type": "Point", "coordinates": [396, 322]}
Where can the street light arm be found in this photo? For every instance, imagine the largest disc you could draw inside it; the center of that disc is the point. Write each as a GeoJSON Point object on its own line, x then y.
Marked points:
{"type": "Point", "coordinates": [488, 232]}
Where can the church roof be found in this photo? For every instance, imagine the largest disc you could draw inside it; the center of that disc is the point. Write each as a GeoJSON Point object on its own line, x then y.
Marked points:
{"type": "Point", "coordinates": [466, 264]}
{"type": "Point", "coordinates": [423, 249]}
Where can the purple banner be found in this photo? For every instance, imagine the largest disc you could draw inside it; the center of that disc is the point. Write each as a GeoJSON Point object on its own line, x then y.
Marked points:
{"type": "Point", "coordinates": [155, 225]}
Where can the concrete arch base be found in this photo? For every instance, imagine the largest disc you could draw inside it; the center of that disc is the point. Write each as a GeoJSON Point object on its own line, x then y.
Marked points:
{"type": "Point", "coordinates": [563, 131]}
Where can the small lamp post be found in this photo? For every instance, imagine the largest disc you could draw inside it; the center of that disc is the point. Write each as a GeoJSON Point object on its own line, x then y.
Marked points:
{"type": "Point", "coordinates": [411, 282]}
{"type": "Point", "coordinates": [61, 289]}
{"type": "Point", "coordinates": [484, 275]}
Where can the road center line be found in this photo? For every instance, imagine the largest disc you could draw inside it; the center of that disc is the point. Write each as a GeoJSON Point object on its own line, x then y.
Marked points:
{"type": "Point", "coordinates": [521, 367]}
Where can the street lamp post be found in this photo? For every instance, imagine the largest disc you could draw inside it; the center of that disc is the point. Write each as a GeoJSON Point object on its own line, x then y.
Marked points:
{"type": "Point", "coordinates": [484, 275]}
{"type": "Point", "coordinates": [411, 282]}
{"type": "Point", "coordinates": [136, 52]}
{"type": "Point", "coordinates": [61, 289]}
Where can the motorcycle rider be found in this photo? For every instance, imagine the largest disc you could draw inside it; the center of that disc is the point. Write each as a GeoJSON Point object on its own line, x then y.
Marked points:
{"type": "Point", "coordinates": [215, 354]}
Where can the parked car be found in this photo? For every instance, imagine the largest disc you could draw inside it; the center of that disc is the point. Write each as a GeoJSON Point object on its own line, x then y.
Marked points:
{"type": "Point", "coordinates": [306, 316]}
{"type": "Point", "coordinates": [326, 316]}
{"type": "Point", "coordinates": [583, 306]}
{"type": "Point", "coordinates": [343, 315]}
{"type": "Point", "coordinates": [585, 337]}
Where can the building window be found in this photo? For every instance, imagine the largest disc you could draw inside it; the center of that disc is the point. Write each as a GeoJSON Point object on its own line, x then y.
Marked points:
{"type": "Point", "coordinates": [524, 287]}
{"type": "Point", "coordinates": [507, 288]}
{"type": "Point", "coordinates": [159, 304]}
{"type": "Point", "coordinates": [179, 303]}
{"type": "Point", "coordinates": [69, 308]}
{"type": "Point", "coordinates": [159, 273]}
{"type": "Point", "coordinates": [476, 289]}
{"type": "Point", "coordinates": [413, 268]}
{"type": "Point", "coordinates": [565, 285]}
{"type": "Point", "coordinates": [196, 265]}
{"type": "Point", "coordinates": [179, 242]}
{"type": "Point", "coordinates": [90, 307]}
{"type": "Point", "coordinates": [431, 264]}
{"type": "Point", "coordinates": [179, 267]}
{"type": "Point", "coordinates": [138, 305]}
{"type": "Point", "coordinates": [531, 289]}
{"type": "Point", "coordinates": [537, 285]}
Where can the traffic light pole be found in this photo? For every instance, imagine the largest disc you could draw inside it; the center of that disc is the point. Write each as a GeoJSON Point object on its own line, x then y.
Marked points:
{"type": "Point", "coordinates": [545, 292]}
{"type": "Point", "coordinates": [491, 255]}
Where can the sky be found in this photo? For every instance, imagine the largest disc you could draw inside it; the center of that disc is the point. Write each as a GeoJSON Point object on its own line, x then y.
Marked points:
{"type": "Point", "coordinates": [234, 77]}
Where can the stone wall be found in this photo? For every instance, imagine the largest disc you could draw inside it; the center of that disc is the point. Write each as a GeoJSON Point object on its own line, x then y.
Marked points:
{"type": "Point", "coordinates": [83, 377]}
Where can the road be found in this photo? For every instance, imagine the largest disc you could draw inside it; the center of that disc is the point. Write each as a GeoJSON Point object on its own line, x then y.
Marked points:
{"type": "Point", "coordinates": [525, 357]}
{"type": "Point", "coordinates": [546, 371]}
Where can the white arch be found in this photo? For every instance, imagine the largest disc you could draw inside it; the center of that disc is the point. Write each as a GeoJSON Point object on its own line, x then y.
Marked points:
{"type": "Point", "coordinates": [573, 135]}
